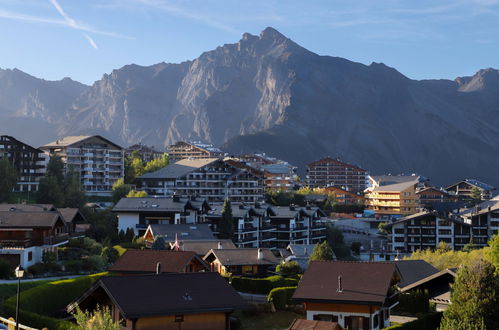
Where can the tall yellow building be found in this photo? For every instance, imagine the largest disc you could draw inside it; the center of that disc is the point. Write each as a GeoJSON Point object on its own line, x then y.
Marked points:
{"type": "Point", "coordinates": [392, 196]}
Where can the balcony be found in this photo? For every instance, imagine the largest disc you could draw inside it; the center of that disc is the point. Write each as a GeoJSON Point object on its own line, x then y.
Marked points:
{"type": "Point", "coordinates": [392, 300]}
{"type": "Point", "coordinates": [55, 239]}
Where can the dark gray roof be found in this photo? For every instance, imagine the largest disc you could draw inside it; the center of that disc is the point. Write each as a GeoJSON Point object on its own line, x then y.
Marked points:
{"type": "Point", "coordinates": [167, 294]}
{"type": "Point", "coordinates": [184, 232]}
{"type": "Point", "coordinates": [412, 271]}
{"type": "Point", "coordinates": [179, 169]}
{"type": "Point", "coordinates": [383, 180]}
{"type": "Point", "coordinates": [202, 247]}
{"type": "Point", "coordinates": [27, 207]}
{"type": "Point", "coordinates": [20, 219]}
{"type": "Point", "coordinates": [149, 204]}
{"type": "Point", "coordinates": [301, 250]}
{"type": "Point", "coordinates": [229, 257]}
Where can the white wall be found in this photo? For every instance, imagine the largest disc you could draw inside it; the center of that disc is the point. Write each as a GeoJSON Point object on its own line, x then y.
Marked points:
{"type": "Point", "coordinates": [128, 220]}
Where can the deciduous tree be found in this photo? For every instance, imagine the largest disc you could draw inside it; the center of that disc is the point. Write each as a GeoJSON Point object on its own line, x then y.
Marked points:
{"type": "Point", "coordinates": [322, 252]}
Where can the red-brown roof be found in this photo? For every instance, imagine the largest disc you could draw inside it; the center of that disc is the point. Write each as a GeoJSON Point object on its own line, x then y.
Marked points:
{"type": "Point", "coordinates": [362, 282]}
{"type": "Point", "coordinates": [145, 261]}
{"type": "Point", "coordinates": [301, 324]}
{"type": "Point", "coordinates": [329, 160]}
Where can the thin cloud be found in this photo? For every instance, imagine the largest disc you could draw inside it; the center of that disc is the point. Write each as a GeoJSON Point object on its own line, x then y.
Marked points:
{"type": "Point", "coordinates": [90, 40]}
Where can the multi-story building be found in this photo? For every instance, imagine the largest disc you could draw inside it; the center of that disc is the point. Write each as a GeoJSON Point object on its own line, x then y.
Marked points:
{"type": "Point", "coordinates": [210, 178]}
{"type": "Point", "coordinates": [392, 196]}
{"type": "Point", "coordinates": [143, 152]}
{"type": "Point", "coordinates": [464, 188]}
{"type": "Point", "coordinates": [29, 162]}
{"type": "Point", "coordinates": [333, 172]}
{"type": "Point", "coordinates": [345, 197]}
{"type": "Point", "coordinates": [193, 150]}
{"type": "Point", "coordinates": [484, 220]}
{"type": "Point", "coordinates": [429, 196]}
{"type": "Point", "coordinates": [99, 161]}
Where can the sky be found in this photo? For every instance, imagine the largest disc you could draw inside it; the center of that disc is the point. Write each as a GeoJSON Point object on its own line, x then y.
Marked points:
{"type": "Point", "coordinates": [83, 39]}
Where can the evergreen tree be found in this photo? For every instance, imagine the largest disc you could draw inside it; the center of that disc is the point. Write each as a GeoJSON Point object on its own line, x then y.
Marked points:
{"type": "Point", "coordinates": [476, 195]}
{"type": "Point", "coordinates": [322, 252]}
{"type": "Point", "coordinates": [74, 196]}
{"type": "Point", "coordinates": [50, 192]}
{"type": "Point", "coordinates": [8, 179]}
{"type": "Point", "coordinates": [226, 227]}
{"type": "Point", "coordinates": [55, 169]}
{"type": "Point", "coordinates": [474, 296]}
{"type": "Point", "coordinates": [159, 244]}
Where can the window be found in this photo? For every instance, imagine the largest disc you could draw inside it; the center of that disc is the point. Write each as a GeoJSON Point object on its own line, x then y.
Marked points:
{"type": "Point", "coordinates": [30, 256]}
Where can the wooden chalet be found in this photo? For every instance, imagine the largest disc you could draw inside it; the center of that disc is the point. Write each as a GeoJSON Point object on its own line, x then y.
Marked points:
{"type": "Point", "coordinates": [247, 262]}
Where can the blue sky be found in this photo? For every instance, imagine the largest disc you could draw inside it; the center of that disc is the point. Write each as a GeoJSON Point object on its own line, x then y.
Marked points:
{"type": "Point", "coordinates": [84, 39]}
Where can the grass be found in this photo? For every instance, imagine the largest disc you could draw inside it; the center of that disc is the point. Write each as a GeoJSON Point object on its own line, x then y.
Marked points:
{"type": "Point", "coordinates": [269, 321]}
{"type": "Point", "coordinates": [9, 290]}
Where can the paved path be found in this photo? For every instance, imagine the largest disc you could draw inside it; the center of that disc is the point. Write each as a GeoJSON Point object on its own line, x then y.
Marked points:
{"type": "Point", "coordinates": [55, 278]}
{"type": "Point", "coordinates": [401, 319]}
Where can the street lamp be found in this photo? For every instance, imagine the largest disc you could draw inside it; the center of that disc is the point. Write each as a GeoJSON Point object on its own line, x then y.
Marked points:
{"type": "Point", "coordinates": [19, 273]}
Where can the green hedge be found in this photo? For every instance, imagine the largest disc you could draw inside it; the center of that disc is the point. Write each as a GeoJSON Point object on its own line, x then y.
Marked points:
{"type": "Point", "coordinates": [261, 285]}
{"type": "Point", "coordinates": [8, 290]}
{"type": "Point", "coordinates": [53, 296]}
{"type": "Point", "coordinates": [414, 302]}
{"type": "Point", "coordinates": [429, 321]}
{"type": "Point", "coordinates": [36, 320]}
{"type": "Point", "coordinates": [281, 296]}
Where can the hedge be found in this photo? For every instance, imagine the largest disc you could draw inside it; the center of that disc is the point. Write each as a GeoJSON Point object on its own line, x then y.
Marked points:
{"type": "Point", "coordinates": [429, 321]}
{"type": "Point", "coordinates": [281, 296]}
{"type": "Point", "coordinates": [261, 285]}
{"type": "Point", "coordinates": [414, 302]}
{"type": "Point", "coordinates": [53, 296]}
{"type": "Point", "coordinates": [36, 320]}
{"type": "Point", "coordinates": [8, 290]}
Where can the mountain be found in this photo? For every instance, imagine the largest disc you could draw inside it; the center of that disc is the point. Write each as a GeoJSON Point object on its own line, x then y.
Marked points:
{"type": "Point", "coordinates": [268, 94]}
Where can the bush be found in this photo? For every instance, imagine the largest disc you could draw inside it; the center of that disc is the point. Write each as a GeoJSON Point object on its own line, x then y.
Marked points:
{"type": "Point", "coordinates": [73, 266]}
{"type": "Point", "coordinates": [281, 297]}
{"type": "Point", "coordinates": [94, 263]}
{"type": "Point", "coordinates": [131, 245]}
{"type": "Point", "coordinates": [110, 254]}
{"type": "Point", "coordinates": [35, 320]}
{"type": "Point", "coordinates": [53, 296]}
{"type": "Point", "coordinates": [414, 302]}
{"type": "Point", "coordinates": [41, 268]}
{"type": "Point", "coordinates": [429, 321]}
{"type": "Point", "coordinates": [70, 253]}
{"type": "Point", "coordinates": [288, 268]}
{"type": "Point", "coordinates": [261, 285]}
{"type": "Point", "coordinates": [5, 269]}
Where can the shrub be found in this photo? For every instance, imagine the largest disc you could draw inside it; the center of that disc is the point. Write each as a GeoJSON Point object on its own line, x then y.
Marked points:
{"type": "Point", "coordinates": [73, 266]}
{"type": "Point", "coordinates": [110, 254]}
{"type": "Point", "coordinates": [131, 245]}
{"type": "Point", "coordinates": [5, 269]}
{"type": "Point", "coordinates": [94, 263]}
{"type": "Point", "coordinates": [261, 285]}
{"type": "Point", "coordinates": [281, 296]}
{"type": "Point", "coordinates": [41, 268]}
{"type": "Point", "coordinates": [53, 296]}
{"type": "Point", "coordinates": [288, 268]}
{"type": "Point", "coordinates": [35, 320]}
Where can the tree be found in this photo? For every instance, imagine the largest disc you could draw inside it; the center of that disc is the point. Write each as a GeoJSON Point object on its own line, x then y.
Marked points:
{"type": "Point", "coordinates": [50, 191]}
{"type": "Point", "coordinates": [289, 268]}
{"type": "Point", "coordinates": [335, 236]}
{"type": "Point", "coordinates": [55, 168]}
{"type": "Point", "coordinates": [157, 164]}
{"type": "Point", "coordinates": [322, 252]}
{"type": "Point", "coordinates": [99, 319]}
{"type": "Point", "coordinates": [476, 195]}
{"type": "Point", "coordinates": [474, 296]}
{"type": "Point", "coordinates": [136, 193]}
{"type": "Point", "coordinates": [137, 167]}
{"type": "Point", "coordinates": [8, 179]}
{"type": "Point", "coordinates": [120, 190]}
{"type": "Point", "coordinates": [443, 247]}
{"type": "Point", "coordinates": [74, 196]}
{"type": "Point", "coordinates": [226, 226]}
{"type": "Point", "coordinates": [382, 227]}
{"type": "Point", "coordinates": [159, 244]}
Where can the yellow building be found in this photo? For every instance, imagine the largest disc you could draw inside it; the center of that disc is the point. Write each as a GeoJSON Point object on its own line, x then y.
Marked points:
{"type": "Point", "coordinates": [393, 197]}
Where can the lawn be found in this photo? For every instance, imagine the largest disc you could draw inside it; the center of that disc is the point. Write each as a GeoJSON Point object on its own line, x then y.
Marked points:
{"type": "Point", "coordinates": [272, 321]}
{"type": "Point", "coordinates": [9, 290]}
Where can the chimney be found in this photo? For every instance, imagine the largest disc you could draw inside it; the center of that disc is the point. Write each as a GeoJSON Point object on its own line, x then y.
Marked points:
{"type": "Point", "coordinates": [340, 288]}
{"type": "Point", "coordinates": [219, 245]}
{"type": "Point", "coordinates": [260, 254]}
{"type": "Point", "coordinates": [158, 268]}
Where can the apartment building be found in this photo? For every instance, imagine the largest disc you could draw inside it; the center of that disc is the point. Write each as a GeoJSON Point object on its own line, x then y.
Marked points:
{"type": "Point", "coordinates": [29, 162]}
{"type": "Point", "coordinates": [99, 161]}
{"type": "Point", "coordinates": [464, 188]}
{"type": "Point", "coordinates": [390, 196]}
{"type": "Point", "coordinates": [333, 172]}
{"type": "Point", "coordinates": [429, 196]}
{"type": "Point", "coordinates": [210, 178]}
{"type": "Point", "coordinates": [144, 152]}
{"type": "Point", "coordinates": [193, 150]}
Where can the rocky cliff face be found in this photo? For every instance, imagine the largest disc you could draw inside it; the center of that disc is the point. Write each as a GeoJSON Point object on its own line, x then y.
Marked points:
{"type": "Point", "coordinates": [266, 93]}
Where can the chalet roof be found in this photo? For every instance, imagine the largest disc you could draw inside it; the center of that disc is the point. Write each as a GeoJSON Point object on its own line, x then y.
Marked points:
{"type": "Point", "coordinates": [483, 207]}
{"type": "Point", "coordinates": [145, 261]}
{"type": "Point", "coordinates": [362, 282]}
{"type": "Point", "coordinates": [202, 247]}
{"type": "Point", "coordinates": [166, 294]}
{"type": "Point", "coordinates": [70, 140]}
{"type": "Point", "coordinates": [179, 169]}
{"type": "Point", "coordinates": [27, 207]}
{"type": "Point", "coordinates": [150, 204]}
{"type": "Point", "coordinates": [413, 271]}
{"type": "Point", "coordinates": [302, 324]}
{"type": "Point", "coordinates": [393, 179]}
{"type": "Point", "coordinates": [279, 168]}
{"type": "Point", "coordinates": [69, 214]}
{"type": "Point", "coordinates": [301, 250]}
{"type": "Point", "coordinates": [336, 161]}
{"type": "Point", "coordinates": [396, 187]}
{"type": "Point", "coordinates": [421, 215]}
{"type": "Point", "coordinates": [446, 272]}
{"type": "Point", "coordinates": [232, 257]}
{"type": "Point", "coordinates": [20, 219]}
{"type": "Point", "coordinates": [184, 232]}
{"type": "Point", "coordinates": [474, 182]}
{"type": "Point", "coordinates": [13, 139]}
{"type": "Point", "coordinates": [238, 210]}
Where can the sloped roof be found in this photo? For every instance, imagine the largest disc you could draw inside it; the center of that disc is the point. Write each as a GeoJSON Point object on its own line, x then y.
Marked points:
{"type": "Point", "coordinates": [184, 232]}
{"type": "Point", "coordinates": [228, 257]}
{"type": "Point", "coordinates": [476, 183]}
{"type": "Point", "coordinates": [449, 272]}
{"type": "Point", "coordinates": [145, 261]}
{"type": "Point", "coordinates": [301, 324]}
{"type": "Point", "coordinates": [412, 271]}
{"type": "Point", "coordinates": [362, 282]}
{"type": "Point", "coordinates": [150, 204]}
{"type": "Point", "coordinates": [301, 250]}
{"type": "Point", "coordinates": [20, 219]}
{"type": "Point", "coordinates": [179, 169]}
{"type": "Point", "coordinates": [70, 140]}
{"type": "Point", "coordinates": [335, 161]}
{"type": "Point", "coordinates": [27, 207]}
{"type": "Point", "coordinates": [69, 214]}
{"type": "Point", "coordinates": [202, 247]}
{"type": "Point", "coordinates": [396, 187]}
{"type": "Point", "coordinates": [167, 294]}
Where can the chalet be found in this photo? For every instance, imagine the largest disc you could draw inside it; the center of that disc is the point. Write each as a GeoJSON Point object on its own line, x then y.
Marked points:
{"type": "Point", "coordinates": [162, 261]}
{"type": "Point", "coordinates": [178, 232]}
{"type": "Point", "coordinates": [144, 152]}
{"type": "Point", "coordinates": [345, 197]}
{"type": "Point", "coordinates": [197, 301]}
{"type": "Point", "coordinates": [72, 217]}
{"type": "Point", "coordinates": [202, 247]}
{"type": "Point", "coordinates": [300, 253]}
{"type": "Point", "coordinates": [464, 188]}
{"type": "Point", "coordinates": [412, 271]}
{"type": "Point", "coordinates": [356, 295]}
{"type": "Point", "coordinates": [138, 213]}
{"type": "Point", "coordinates": [193, 150]}
{"type": "Point", "coordinates": [429, 196]}
{"type": "Point", "coordinates": [26, 235]}
{"type": "Point", "coordinates": [247, 262]}
{"type": "Point", "coordinates": [333, 172]}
